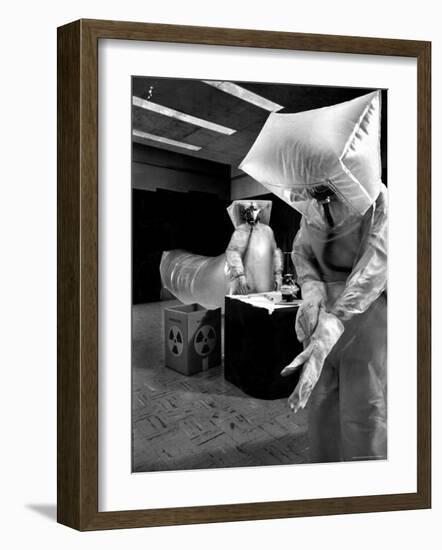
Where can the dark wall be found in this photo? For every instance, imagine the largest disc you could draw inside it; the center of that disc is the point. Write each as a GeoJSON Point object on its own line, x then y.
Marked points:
{"type": "Point", "coordinates": [164, 220]}
{"type": "Point", "coordinates": [154, 168]}
{"type": "Point", "coordinates": [177, 202]}
{"type": "Point", "coordinates": [284, 221]}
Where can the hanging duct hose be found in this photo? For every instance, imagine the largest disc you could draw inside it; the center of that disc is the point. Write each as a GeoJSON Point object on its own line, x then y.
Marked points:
{"type": "Point", "coordinates": [195, 279]}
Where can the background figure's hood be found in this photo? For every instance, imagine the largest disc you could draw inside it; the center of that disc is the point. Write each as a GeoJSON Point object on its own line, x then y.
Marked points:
{"type": "Point", "coordinates": [337, 145]}
{"type": "Point", "coordinates": [236, 209]}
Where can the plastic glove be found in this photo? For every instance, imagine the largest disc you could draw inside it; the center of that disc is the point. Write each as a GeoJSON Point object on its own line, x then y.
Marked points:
{"type": "Point", "coordinates": [314, 296]}
{"type": "Point", "coordinates": [325, 336]}
{"type": "Point", "coordinates": [241, 285]}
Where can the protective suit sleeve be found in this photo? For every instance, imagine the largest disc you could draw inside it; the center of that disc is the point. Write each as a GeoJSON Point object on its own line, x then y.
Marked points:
{"type": "Point", "coordinates": [236, 250]}
{"type": "Point", "coordinates": [368, 278]}
{"type": "Point", "coordinates": [303, 257]}
{"type": "Point", "coordinates": [277, 259]}
{"type": "Point", "coordinates": [278, 267]}
{"type": "Point", "coordinates": [314, 292]}
{"type": "Point", "coordinates": [327, 332]}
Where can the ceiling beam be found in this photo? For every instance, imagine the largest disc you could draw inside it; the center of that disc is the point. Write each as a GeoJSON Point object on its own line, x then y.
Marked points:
{"type": "Point", "coordinates": [167, 141]}
{"type": "Point", "coordinates": [244, 94]}
{"type": "Point", "coordinates": [172, 113]}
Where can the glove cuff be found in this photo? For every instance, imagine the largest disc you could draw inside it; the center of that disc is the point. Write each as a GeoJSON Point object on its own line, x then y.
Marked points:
{"type": "Point", "coordinates": [314, 292]}
{"type": "Point", "coordinates": [329, 328]}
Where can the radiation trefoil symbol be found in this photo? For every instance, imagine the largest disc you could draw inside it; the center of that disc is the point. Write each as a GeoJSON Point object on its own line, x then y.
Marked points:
{"type": "Point", "coordinates": [205, 340]}
{"type": "Point", "coordinates": [175, 340]}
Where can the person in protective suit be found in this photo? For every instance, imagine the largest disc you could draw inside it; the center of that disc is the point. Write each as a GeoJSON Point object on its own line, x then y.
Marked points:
{"type": "Point", "coordinates": [253, 261]}
{"type": "Point", "coordinates": [342, 272]}
{"type": "Point", "coordinates": [331, 173]}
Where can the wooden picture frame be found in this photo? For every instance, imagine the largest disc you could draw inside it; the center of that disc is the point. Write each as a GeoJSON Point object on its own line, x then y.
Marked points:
{"type": "Point", "coordinates": [78, 274]}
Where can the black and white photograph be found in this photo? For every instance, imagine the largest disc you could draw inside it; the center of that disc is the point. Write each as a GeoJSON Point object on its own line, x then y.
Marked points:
{"type": "Point", "coordinates": [259, 274]}
{"type": "Point", "coordinates": [220, 236]}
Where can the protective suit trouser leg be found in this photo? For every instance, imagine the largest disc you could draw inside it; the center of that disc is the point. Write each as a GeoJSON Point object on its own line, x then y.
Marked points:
{"type": "Point", "coordinates": [347, 414]}
{"type": "Point", "coordinates": [323, 417]}
{"type": "Point", "coordinates": [363, 386]}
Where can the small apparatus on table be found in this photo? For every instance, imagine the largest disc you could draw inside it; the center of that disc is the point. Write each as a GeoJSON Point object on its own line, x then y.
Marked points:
{"type": "Point", "coordinates": [289, 288]}
{"type": "Point", "coordinates": [260, 340]}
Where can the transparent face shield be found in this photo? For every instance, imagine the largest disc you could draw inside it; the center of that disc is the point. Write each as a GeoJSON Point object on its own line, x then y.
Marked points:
{"type": "Point", "coordinates": [321, 204]}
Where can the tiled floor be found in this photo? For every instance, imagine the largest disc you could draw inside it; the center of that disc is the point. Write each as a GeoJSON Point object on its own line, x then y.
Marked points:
{"type": "Point", "coordinates": [202, 421]}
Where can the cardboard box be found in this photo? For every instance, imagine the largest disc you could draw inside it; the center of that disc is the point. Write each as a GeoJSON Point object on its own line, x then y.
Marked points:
{"type": "Point", "coordinates": [192, 336]}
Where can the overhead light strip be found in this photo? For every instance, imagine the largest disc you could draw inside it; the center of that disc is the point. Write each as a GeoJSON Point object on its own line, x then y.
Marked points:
{"type": "Point", "coordinates": [166, 141]}
{"type": "Point", "coordinates": [245, 95]}
{"type": "Point", "coordinates": [172, 113]}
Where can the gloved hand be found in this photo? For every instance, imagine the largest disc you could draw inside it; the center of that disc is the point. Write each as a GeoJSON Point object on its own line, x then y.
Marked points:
{"type": "Point", "coordinates": [314, 296]}
{"type": "Point", "coordinates": [241, 285]}
{"type": "Point", "coordinates": [278, 281]}
{"type": "Point", "coordinates": [325, 336]}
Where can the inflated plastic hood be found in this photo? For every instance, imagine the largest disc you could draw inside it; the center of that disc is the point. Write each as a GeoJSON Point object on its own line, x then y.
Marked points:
{"type": "Point", "coordinates": [338, 146]}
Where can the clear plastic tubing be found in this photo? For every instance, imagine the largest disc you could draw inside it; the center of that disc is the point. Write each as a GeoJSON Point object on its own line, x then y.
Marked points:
{"type": "Point", "coordinates": [195, 279]}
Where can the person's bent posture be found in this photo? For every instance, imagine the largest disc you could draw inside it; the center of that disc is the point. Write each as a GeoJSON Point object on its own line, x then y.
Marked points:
{"type": "Point", "coordinates": [331, 173]}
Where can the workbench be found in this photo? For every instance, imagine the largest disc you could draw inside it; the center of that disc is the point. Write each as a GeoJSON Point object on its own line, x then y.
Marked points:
{"type": "Point", "coordinates": [260, 340]}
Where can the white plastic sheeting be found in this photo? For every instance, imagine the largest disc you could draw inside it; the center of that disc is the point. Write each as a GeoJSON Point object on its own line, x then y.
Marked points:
{"type": "Point", "coordinates": [195, 279]}
{"type": "Point", "coordinates": [338, 146]}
